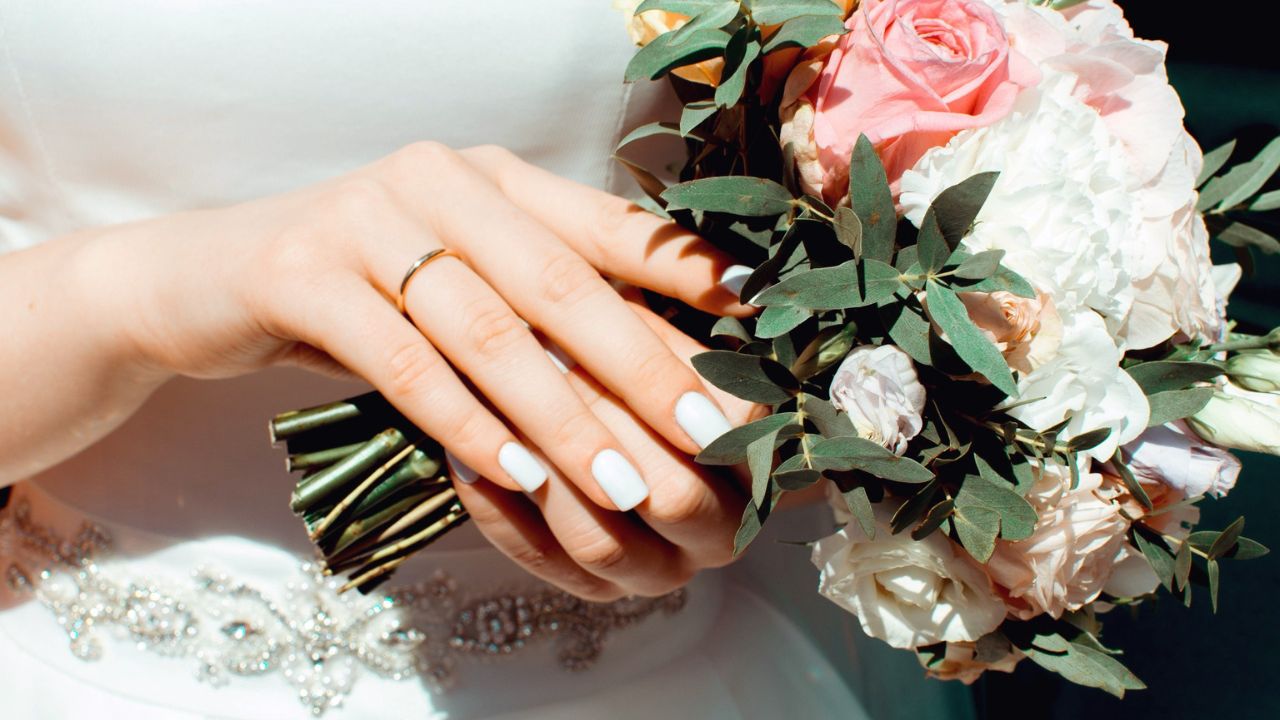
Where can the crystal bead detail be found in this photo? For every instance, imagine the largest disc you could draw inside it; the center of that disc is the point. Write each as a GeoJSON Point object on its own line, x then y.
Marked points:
{"type": "Point", "coordinates": [318, 640]}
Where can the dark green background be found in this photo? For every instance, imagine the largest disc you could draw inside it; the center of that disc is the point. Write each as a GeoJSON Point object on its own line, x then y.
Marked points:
{"type": "Point", "coordinates": [1223, 60]}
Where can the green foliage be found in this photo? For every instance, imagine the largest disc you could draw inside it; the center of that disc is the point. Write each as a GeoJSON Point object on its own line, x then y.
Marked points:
{"type": "Point", "coordinates": [872, 201]}
{"type": "Point", "coordinates": [970, 343]}
{"type": "Point", "coordinates": [772, 12]}
{"type": "Point", "coordinates": [752, 378]}
{"type": "Point", "coordinates": [744, 196]}
{"type": "Point", "coordinates": [664, 54]}
{"type": "Point", "coordinates": [803, 31]}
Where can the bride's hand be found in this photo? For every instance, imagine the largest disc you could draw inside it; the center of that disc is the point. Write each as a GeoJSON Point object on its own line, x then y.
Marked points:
{"type": "Point", "coordinates": [311, 277]}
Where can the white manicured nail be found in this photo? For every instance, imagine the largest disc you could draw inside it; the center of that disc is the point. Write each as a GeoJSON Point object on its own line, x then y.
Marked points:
{"type": "Point", "coordinates": [734, 277]}
{"type": "Point", "coordinates": [559, 357]}
{"type": "Point", "coordinates": [461, 470]}
{"type": "Point", "coordinates": [700, 418]}
{"type": "Point", "coordinates": [619, 479]}
{"type": "Point", "coordinates": [522, 466]}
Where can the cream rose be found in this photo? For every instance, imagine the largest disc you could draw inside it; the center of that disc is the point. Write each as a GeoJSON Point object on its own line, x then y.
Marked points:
{"type": "Point", "coordinates": [879, 390]}
{"type": "Point", "coordinates": [1174, 456]}
{"type": "Point", "coordinates": [905, 592]}
{"type": "Point", "coordinates": [1027, 331]}
{"type": "Point", "coordinates": [1065, 564]}
{"type": "Point", "coordinates": [1240, 419]}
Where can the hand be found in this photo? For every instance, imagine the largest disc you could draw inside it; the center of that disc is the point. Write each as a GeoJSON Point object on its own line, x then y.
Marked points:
{"type": "Point", "coordinates": [310, 278]}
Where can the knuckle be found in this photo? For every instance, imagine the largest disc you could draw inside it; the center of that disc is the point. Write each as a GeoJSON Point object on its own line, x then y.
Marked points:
{"type": "Point", "coordinates": [410, 367]}
{"type": "Point", "coordinates": [597, 552]}
{"type": "Point", "coordinates": [493, 329]}
{"type": "Point", "coordinates": [355, 202]}
{"type": "Point", "coordinates": [610, 221]}
{"type": "Point", "coordinates": [677, 503]}
{"type": "Point", "coordinates": [569, 429]}
{"type": "Point", "coordinates": [536, 557]}
{"type": "Point", "coordinates": [567, 278]}
{"type": "Point", "coordinates": [471, 431]}
{"type": "Point", "coordinates": [420, 160]}
{"type": "Point", "coordinates": [656, 369]}
{"type": "Point", "coordinates": [494, 156]}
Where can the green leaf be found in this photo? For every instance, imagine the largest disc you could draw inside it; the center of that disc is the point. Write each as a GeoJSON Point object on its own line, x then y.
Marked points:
{"type": "Point", "coordinates": [650, 130]}
{"type": "Point", "coordinates": [1159, 557]}
{"type": "Point", "coordinates": [1082, 665]}
{"type": "Point", "coordinates": [779, 320]}
{"type": "Point", "coordinates": [1176, 404]}
{"type": "Point", "coordinates": [747, 196]}
{"type": "Point", "coordinates": [849, 229]}
{"type": "Point", "coordinates": [1213, 161]}
{"type": "Point", "coordinates": [872, 200]}
{"type": "Point", "coordinates": [757, 379]}
{"type": "Point", "coordinates": [767, 271]}
{"type": "Point", "coordinates": [648, 182]}
{"type": "Point", "coordinates": [909, 330]}
{"type": "Point", "coordinates": [1265, 165]}
{"type": "Point", "coordinates": [772, 12]}
{"type": "Point", "coordinates": [970, 344]}
{"type": "Point", "coordinates": [739, 55]}
{"type": "Point", "coordinates": [1017, 517]}
{"type": "Point", "coordinates": [1165, 375]}
{"type": "Point", "coordinates": [714, 17]}
{"type": "Point", "coordinates": [848, 285]}
{"type": "Point", "coordinates": [663, 55]}
{"type": "Point", "coordinates": [911, 511]}
{"type": "Point", "coordinates": [728, 326]}
{"type": "Point", "coordinates": [980, 266]}
{"type": "Point", "coordinates": [1003, 279]}
{"type": "Point", "coordinates": [826, 349]}
{"type": "Point", "coordinates": [793, 480]}
{"type": "Point", "coordinates": [1211, 568]}
{"type": "Point", "coordinates": [855, 453]}
{"type": "Point", "coordinates": [1088, 440]}
{"type": "Point", "coordinates": [1182, 566]}
{"type": "Point", "coordinates": [753, 518]}
{"type": "Point", "coordinates": [860, 507]}
{"type": "Point", "coordinates": [937, 515]}
{"type": "Point", "coordinates": [958, 206]}
{"type": "Point", "coordinates": [824, 416]}
{"type": "Point", "coordinates": [931, 247]}
{"type": "Point", "coordinates": [693, 115]}
{"type": "Point", "coordinates": [804, 31]}
{"type": "Point", "coordinates": [1226, 541]}
{"type": "Point", "coordinates": [1130, 482]}
{"type": "Point", "coordinates": [684, 7]}
{"type": "Point", "coordinates": [1243, 236]}
{"type": "Point", "coordinates": [760, 462]}
{"type": "Point", "coordinates": [1247, 549]}
{"type": "Point", "coordinates": [1265, 202]}
{"type": "Point", "coordinates": [977, 527]}
{"type": "Point", "coordinates": [731, 447]}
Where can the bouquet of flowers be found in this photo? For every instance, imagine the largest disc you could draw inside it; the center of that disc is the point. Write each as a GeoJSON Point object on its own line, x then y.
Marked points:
{"type": "Point", "coordinates": [989, 325]}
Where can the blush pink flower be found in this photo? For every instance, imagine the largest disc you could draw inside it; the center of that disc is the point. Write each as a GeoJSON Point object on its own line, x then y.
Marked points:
{"type": "Point", "coordinates": [909, 75]}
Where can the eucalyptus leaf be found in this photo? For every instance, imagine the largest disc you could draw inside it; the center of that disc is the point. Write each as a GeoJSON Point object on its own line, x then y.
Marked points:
{"type": "Point", "coordinates": [911, 511]}
{"type": "Point", "coordinates": [1237, 234]}
{"type": "Point", "coordinates": [684, 7]}
{"type": "Point", "coordinates": [1267, 162]}
{"type": "Point", "coordinates": [1003, 279]}
{"type": "Point", "coordinates": [1084, 666]}
{"type": "Point", "coordinates": [772, 12]}
{"type": "Point", "coordinates": [760, 462]}
{"type": "Point", "coordinates": [1131, 483]}
{"type": "Point", "coordinates": [909, 330]}
{"type": "Point", "coordinates": [849, 229]}
{"type": "Point", "coordinates": [1017, 517]}
{"type": "Point", "coordinates": [757, 379]}
{"type": "Point", "coordinates": [753, 519]}
{"type": "Point", "coordinates": [648, 182]}
{"type": "Point", "coordinates": [956, 207]}
{"type": "Point", "coordinates": [650, 130]}
{"type": "Point", "coordinates": [824, 416]}
{"type": "Point", "coordinates": [980, 266]}
{"type": "Point", "coordinates": [804, 31]}
{"type": "Point", "coordinates": [1165, 375]}
{"type": "Point", "coordinates": [1182, 566]}
{"type": "Point", "coordinates": [748, 196]}
{"type": "Point", "coordinates": [1159, 557]}
{"type": "Point", "coordinates": [741, 51]}
{"type": "Point", "coordinates": [794, 480]}
{"type": "Point", "coordinates": [977, 528]}
{"type": "Point", "coordinates": [872, 200]}
{"type": "Point", "coordinates": [1176, 404]}
{"type": "Point", "coordinates": [937, 515]}
{"type": "Point", "coordinates": [1214, 160]}
{"type": "Point", "coordinates": [829, 347]}
{"type": "Point", "coordinates": [1247, 549]}
{"type": "Point", "coordinates": [1211, 570]}
{"type": "Point", "coordinates": [662, 55]}
{"type": "Point", "coordinates": [969, 342]}
{"type": "Point", "coordinates": [848, 285]}
{"type": "Point", "coordinates": [856, 453]}
{"type": "Point", "coordinates": [1266, 202]}
{"type": "Point", "coordinates": [1226, 541]}
{"type": "Point", "coordinates": [729, 326]}
{"type": "Point", "coordinates": [779, 320]}
{"type": "Point", "coordinates": [932, 251]}
{"type": "Point", "coordinates": [711, 18]}
{"type": "Point", "coordinates": [693, 115]}
{"type": "Point", "coordinates": [860, 507]}
{"type": "Point", "coordinates": [731, 447]}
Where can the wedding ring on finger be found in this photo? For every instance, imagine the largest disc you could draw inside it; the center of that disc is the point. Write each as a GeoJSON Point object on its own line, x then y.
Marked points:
{"type": "Point", "coordinates": [415, 267]}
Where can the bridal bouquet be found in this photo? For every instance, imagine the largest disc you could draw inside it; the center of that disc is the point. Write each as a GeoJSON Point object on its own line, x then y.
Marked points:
{"type": "Point", "coordinates": [990, 327]}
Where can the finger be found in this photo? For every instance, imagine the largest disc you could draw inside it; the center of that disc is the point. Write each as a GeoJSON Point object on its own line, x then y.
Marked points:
{"type": "Point", "coordinates": [513, 525]}
{"type": "Point", "coordinates": [619, 237]}
{"type": "Point", "coordinates": [353, 324]}
{"type": "Point", "coordinates": [560, 293]}
{"type": "Point", "coordinates": [691, 506]}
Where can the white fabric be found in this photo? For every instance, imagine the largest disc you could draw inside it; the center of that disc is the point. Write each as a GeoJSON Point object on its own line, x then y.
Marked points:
{"type": "Point", "coordinates": [124, 109]}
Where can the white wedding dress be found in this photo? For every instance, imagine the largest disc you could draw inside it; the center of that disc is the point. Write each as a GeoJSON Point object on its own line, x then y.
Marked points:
{"type": "Point", "coordinates": [159, 574]}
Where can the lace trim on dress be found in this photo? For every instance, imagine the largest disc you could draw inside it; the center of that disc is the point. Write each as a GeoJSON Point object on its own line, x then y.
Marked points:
{"type": "Point", "coordinates": [319, 641]}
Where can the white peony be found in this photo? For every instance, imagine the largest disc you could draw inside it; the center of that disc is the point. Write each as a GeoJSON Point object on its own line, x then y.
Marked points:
{"type": "Point", "coordinates": [905, 592]}
{"type": "Point", "coordinates": [879, 390]}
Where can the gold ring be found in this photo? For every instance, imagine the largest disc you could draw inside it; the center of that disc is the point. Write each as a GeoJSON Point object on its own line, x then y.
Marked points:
{"type": "Point", "coordinates": [418, 265]}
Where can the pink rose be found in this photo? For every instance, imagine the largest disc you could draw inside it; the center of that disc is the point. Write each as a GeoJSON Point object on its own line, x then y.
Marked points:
{"type": "Point", "coordinates": [1027, 331]}
{"type": "Point", "coordinates": [910, 74]}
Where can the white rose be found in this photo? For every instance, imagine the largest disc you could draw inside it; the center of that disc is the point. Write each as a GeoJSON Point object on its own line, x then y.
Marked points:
{"type": "Point", "coordinates": [1172, 455]}
{"type": "Point", "coordinates": [1240, 419]}
{"type": "Point", "coordinates": [1070, 557]}
{"type": "Point", "coordinates": [1256, 371]}
{"type": "Point", "coordinates": [905, 592]}
{"type": "Point", "coordinates": [879, 390]}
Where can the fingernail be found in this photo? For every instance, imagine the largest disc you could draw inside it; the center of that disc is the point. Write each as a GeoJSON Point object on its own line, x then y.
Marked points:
{"type": "Point", "coordinates": [734, 277]}
{"type": "Point", "coordinates": [619, 479]}
{"type": "Point", "coordinates": [700, 418]}
{"type": "Point", "coordinates": [559, 357]}
{"type": "Point", "coordinates": [461, 470]}
{"type": "Point", "coordinates": [522, 466]}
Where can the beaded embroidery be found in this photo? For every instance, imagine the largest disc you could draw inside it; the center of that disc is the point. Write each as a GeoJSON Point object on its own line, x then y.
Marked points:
{"type": "Point", "coordinates": [318, 640]}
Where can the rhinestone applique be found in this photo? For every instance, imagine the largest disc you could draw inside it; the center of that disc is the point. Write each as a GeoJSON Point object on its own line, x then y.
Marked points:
{"type": "Point", "coordinates": [318, 640]}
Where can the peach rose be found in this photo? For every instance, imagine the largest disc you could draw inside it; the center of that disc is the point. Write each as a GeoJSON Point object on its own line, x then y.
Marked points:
{"type": "Point", "coordinates": [910, 74]}
{"type": "Point", "coordinates": [1027, 331]}
{"type": "Point", "coordinates": [1065, 564]}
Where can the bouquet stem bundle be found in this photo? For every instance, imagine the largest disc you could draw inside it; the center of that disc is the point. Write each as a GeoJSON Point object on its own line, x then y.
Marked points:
{"type": "Point", "coordinates": [373, 488]}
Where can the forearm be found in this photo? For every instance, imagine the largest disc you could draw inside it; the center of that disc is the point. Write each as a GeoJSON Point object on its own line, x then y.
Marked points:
{"type": "Point", "coordinates": [70, 371]}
